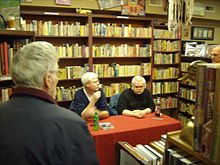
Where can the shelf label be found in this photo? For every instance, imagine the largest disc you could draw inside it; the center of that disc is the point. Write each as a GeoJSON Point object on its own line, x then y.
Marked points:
{"type": "Point", "coordinates": [51, 13]}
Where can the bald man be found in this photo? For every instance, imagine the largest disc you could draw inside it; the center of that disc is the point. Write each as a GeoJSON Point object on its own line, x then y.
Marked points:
{"type": "Point", "coordinates": [216, 54]}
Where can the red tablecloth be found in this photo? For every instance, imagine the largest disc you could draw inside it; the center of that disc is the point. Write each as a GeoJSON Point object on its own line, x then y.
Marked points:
{"type": "Point", "coordinates": [132, 130]}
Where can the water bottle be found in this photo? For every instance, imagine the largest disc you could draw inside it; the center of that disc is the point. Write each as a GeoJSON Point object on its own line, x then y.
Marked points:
{"type": "Point", "coordinates": [157, 109]}
{"type": "Point", "coordinates": [96, 121]}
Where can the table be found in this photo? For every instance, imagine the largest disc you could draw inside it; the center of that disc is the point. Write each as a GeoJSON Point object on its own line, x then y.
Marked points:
{"type": "Point", "coordinates": [132, 130]}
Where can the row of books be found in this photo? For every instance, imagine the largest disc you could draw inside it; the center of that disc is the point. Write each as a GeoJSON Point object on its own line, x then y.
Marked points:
{"type": "Point", "coordinates": [55, 28]}
{"type": "Point", "coordinates": [114, 88]}
{"type": "Point", "coordinates": [207, 116]}
{"type": "Point", "coordinates": [65, 94]}
{"type": "Point", "coordinates": [162, 73]}
{"type": "Point", "coordinates": [187, 93]}
{"type": "Point", "coordinates": [123, 50]}
{"type": "Point", "coordinates": [186, 107]}
{"type": "Point", "coordinates": [70, 72]}
{"type": "Point", "coordinates": [164, 87]}
{"type": "Point", "coordinates": [69, 28]}
{"type": "Point", "coordinates": [168, 102]}
{"type": "Point", "coordinates": [166, 45]}
{"type": "Point", "coordinates": [7, 51]}
{"type": "Point", "coordinates": [72, 50]}
{"type": "Point", "coordinates": [105, 70]}
{"type": "Point", "coordinates": [167, 34]}
{"type": "Point", "coordinates": [164, 58]}
{"type": "Point", "coordinates": [176, 156]}
{"type": "Point", "coordinates": [120, 30]}
{"type": "Point", "coordinates": [152, 154]}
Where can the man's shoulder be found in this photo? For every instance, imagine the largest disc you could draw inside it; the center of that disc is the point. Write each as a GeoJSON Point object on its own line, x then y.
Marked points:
{"type": "Point", "coordinates": [66, 114]}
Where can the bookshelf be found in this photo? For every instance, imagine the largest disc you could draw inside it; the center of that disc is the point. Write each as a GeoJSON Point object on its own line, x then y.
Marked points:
{"type": "Point", "coordinates": [166, 68]}
{"type": "Point", "coordinates": [115, 47]}
{"type": "Point", "coordinates": [174, 140]}
{"type": "Point", "coordinates": [10, 42]}
{"type": "Point", "coordinates": [187, 94]}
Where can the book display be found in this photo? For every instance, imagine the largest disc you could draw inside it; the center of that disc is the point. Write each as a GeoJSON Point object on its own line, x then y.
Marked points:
{"type": "Point", "coordinates": [179, 152]}
{"type": "Point", "coordinates": [115, 47]}
{"type": "Point", "coordinates": [205, 140]}
{"type": "Point", "coordinates": [166, 67]}
{"type": "Point", "coordinates": [10, 42]}
{"type": "Point", "coordinates": [187, 94]}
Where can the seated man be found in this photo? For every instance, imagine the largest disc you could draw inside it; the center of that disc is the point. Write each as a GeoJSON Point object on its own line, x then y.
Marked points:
{"type": "Point", "coordinates": [90, 98]}
{"type": "Point", "coordinates": [136, 101]}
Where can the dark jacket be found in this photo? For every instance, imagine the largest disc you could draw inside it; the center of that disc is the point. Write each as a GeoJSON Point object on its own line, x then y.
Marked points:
{"type": "Point", "coordinates": [36, 131]}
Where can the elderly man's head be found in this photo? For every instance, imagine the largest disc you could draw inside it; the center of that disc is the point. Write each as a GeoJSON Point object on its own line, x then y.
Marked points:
{"type": "Point", "coordinates": [216, 54]}
{"type": "Point", "coordinates": [138, 84]}
{"type": "Point", "coordinates": [90, 81]}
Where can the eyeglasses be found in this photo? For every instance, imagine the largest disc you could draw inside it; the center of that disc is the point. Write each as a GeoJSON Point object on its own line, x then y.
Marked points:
{"type": "Point", "coordinates": [96, 81]}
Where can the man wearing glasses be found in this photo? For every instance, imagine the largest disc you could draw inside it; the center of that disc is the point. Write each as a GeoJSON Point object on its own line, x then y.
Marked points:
{"type": "Point", "coordinates": [136, 101]}
{"type": "Point", "coordinates": [216, 54]}
{"type": "Point", "coordinates": [90, 98]}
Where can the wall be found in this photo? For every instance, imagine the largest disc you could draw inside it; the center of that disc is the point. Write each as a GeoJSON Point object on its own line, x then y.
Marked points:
{"type": "Point", "coordinates": [211, 19]}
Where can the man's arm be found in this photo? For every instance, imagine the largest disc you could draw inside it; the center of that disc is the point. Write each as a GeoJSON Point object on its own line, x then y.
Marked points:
{"type": "Point", "coordinates": [102, 106]}
{"type": "Point", "coordinates": [82, 106]}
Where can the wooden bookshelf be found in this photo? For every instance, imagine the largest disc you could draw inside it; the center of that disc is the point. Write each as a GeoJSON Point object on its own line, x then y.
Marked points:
{"type": "Point", "coordinates": [166, 66]}
{"type": "Point", "coordinates": [132, 48]}
{"type": "Point", "coordinates": [173, 139]}
{"type": "Point", "coordinates": [187, 88]}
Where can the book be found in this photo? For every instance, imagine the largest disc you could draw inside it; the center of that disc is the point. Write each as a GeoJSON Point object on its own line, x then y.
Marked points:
{"type": "Point", "coordinates": [189, 160]}
{"type": "Point", "coordinates": [158, 148]}
{"type": "Point", "coordinates": [146, 153]}
{"type": "Point", "coordinates": [128, 155]}
{"type": "Point", "coordinates": [159, 156]}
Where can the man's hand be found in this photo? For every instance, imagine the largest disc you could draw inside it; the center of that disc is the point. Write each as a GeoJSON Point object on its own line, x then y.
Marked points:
{"type": "Point", "coordinates": [96, 96]}
{"type": "Point", "coordinates": [139, 113]}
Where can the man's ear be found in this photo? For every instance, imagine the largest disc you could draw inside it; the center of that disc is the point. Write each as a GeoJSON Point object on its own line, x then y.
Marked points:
{"type": "Point", "coordinates": [48, 80]}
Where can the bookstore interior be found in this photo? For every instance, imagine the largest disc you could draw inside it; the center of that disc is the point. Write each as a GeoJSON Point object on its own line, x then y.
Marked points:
{"type": "Point", "coordinates": [168, 42]}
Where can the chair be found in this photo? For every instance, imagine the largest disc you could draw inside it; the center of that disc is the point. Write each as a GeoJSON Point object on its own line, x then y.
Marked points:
{"type": "Point", "coordinates": [113, 104]}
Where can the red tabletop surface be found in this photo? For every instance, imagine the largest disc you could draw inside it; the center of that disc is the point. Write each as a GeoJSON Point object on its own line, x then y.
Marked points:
{"type": "Point", "coordinates": [129, 129]}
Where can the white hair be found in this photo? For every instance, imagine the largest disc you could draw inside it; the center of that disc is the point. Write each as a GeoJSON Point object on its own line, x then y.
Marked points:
{"type": "Point", "coordinates": [137, 79]}
{"type": "Point", "coordinates": [87, 77]}
{"type": "Point", "coordinates": [32, 62]}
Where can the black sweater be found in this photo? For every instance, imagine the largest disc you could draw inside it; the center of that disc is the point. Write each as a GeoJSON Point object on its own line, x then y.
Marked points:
{"type": "Point", "coordinates": [131, 101]}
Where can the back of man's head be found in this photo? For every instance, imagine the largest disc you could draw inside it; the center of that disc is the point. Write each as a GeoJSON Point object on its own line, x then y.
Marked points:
{"type": "Point", "coordinates": [32, 62]}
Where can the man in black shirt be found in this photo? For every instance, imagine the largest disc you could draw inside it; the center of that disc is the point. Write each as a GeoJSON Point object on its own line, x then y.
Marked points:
{"type": "Point", "coordinates": [136, 101]}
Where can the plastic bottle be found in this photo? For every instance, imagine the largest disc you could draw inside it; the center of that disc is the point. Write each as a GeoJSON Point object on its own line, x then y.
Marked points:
{"type": "Point", "coordinates": [157, 109]}
{"type": "Point", "coordinates": [96, 122]}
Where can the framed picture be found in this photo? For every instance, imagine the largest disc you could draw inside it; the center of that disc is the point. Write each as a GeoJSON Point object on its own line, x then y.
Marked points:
{"type": "Point", "coordinates": [133, 8]}
{"type": "Point", "coordinates": [155, 3]}
{"type": "Point", "coordinates": [63, 2]}
{"type": "Point", "coordinates": [202, 33]}
{"type": "Point", "coordinates": [105, 4]}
